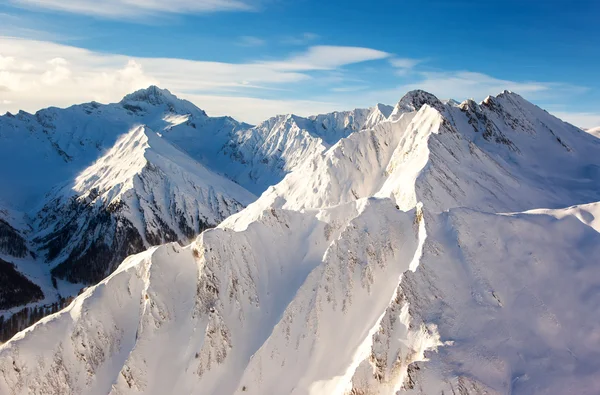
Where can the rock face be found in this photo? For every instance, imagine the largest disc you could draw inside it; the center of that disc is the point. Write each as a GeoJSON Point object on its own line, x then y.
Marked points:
{"type": "Point", "coordinates": [446, 249]}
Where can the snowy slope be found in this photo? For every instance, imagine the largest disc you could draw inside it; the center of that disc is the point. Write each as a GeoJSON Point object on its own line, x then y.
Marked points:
{"type": "Point", "coordinates": [445, 249]}
{"type": "Point", "coordinates": [142, 192]}
{"type": "Point", "coordinates": [221, 297]}
{"type": "Point", "coordinates": [499, 304]}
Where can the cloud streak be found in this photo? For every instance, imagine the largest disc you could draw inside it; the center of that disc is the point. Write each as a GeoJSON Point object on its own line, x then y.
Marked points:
{"type": "Point", "coordinates": [137, 8]}
{"type": "Point", "coordinates": [404, 66]}
{"type": "Point", "coordinates": [325, 57]}
{"type": "Point", "coordinates": [251, 41]}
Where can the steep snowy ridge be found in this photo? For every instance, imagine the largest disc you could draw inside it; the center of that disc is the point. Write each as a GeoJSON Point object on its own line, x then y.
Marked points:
{"type": "Point", "coordinates": [142, 192]}
{"type": "Point", "coordinates": [429, 253]}
{"type": "Point", "coordinates": [353, 168]}
{"type": "Point", "coordinates": [229, 303]}
{"type": "Point", "coordinates": [446, 160]}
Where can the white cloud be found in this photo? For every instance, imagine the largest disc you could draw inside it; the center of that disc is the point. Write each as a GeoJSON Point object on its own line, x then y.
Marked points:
{"type": "Point", "coordinates": [586, 120]}
{"type": "Point", "coordinates": [251, 41]}
{"type": "Point", "coordinates": [467, 84]}
{"type": "Point", "coordinates": [254, 110]}
{"type": "Point", "coordinates": [325, 57]}
{"type": "Point", "coordinates": [404, 66]}
{"type": "Point", "coordinates": [37, 74]}
{"type": "Point", "coordinates": [137, 8]}
{"type": "Point", "coordinates": [404, 63]}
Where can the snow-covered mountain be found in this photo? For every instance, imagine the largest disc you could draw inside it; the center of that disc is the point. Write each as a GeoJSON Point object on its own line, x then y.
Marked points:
{"type": "Point", "coordinates": [444, 249]}
{"type": "Point", "coordinates": [141, 192]}
{"type": "Point", "coordinates": [268, 151]}
{"type": "Point", "coordinates": [41, 150]}
{"type": "Point", "coordinates": [88, 185]}
{"type": "Point", "coordinates": [93, 183]}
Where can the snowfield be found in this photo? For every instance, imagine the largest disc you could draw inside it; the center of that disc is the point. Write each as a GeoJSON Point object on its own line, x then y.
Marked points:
{"type": "Point", "coordinates": [429, 248]}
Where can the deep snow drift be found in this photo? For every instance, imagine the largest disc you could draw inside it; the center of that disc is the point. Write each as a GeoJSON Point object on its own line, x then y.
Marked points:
{"type": "Point", "coordinates": [442, 249]}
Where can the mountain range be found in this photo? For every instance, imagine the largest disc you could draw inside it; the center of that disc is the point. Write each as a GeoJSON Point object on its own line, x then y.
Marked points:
{"type": "Point", "coordinates": [430, 247]}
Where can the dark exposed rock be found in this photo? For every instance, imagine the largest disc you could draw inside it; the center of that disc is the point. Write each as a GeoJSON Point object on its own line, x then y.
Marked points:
{"type": "Point", "coordinates": [414, 100]}
{"type": "Point", "coordinates": [88, 241]}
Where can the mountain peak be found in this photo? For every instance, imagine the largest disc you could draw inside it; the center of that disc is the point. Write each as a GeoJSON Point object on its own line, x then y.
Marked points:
{"type": "Point", "coordinates": [152, 95]}
{"type": "Point", "coordinates": [384, 109]}
{"type": "Point", "coordinates": [451, 102]}
{"type": "Point", "coordinates": [415, 99]}
{"type": "Point", "coordinates": [155, 96]}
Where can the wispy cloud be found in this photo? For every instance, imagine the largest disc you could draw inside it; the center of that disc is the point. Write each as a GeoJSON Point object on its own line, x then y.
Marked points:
{"type": "Point", "coordinates": [251, 41]}
{"type": "Point", "coordinates": [468, 84]}
{"type": "Point", "coordinates": [302, 39]}
{"type": "Point", "coordinates": [324, 57]}
{"type": "Point", "coordinates": [404, 66]}
{"type": "Point", "coordinates": [137, 8]}
{"type": "Point", "coordinates": [37, 74]}
{"type": "Point", "coordinates": [26, 27]}
{"type": "Point", "coordinates": [342, 89]}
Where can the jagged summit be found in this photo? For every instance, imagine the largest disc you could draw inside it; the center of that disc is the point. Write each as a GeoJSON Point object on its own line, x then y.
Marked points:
{"type": "Point", "coordinates": [152, 95]}
{"type": "Point", "coordinates": [414, 100]}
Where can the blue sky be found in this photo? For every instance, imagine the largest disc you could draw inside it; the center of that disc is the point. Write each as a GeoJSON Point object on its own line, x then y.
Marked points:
{"type": "Point", "coordinates": [254, 58]}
